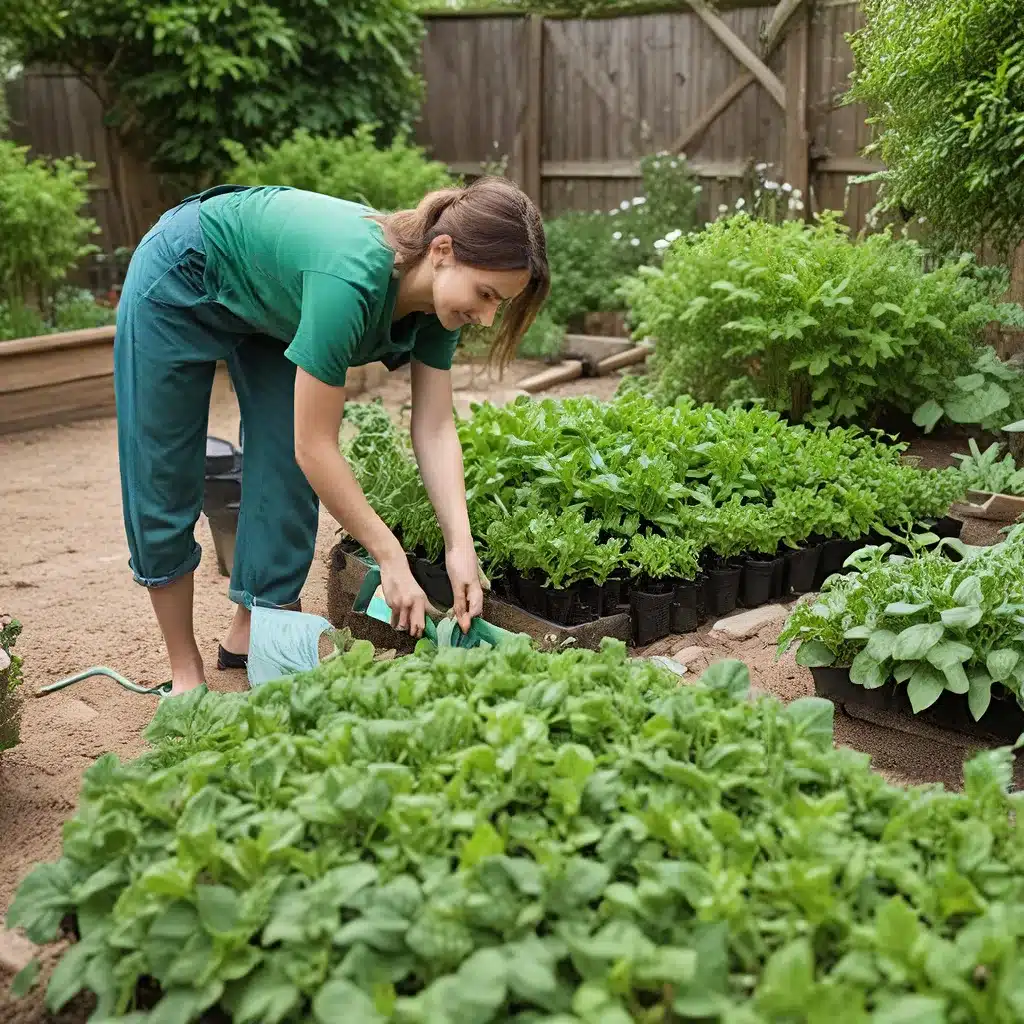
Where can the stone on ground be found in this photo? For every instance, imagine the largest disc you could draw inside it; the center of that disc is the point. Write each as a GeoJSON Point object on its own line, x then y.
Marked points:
{"type": "Point", "coordinates": [749, 624]}
{"type": "Point", "coordinates": [15, 950]}
{"type": "Point", "coordinates": [688, 655]}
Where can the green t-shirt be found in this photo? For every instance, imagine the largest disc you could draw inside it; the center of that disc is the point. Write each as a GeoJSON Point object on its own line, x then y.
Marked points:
{"type": "Point", "coordinates": [314, 272]}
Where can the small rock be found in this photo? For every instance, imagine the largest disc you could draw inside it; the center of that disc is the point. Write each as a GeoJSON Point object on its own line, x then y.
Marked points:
{"type": "Point", "coordinates": [71, 709]}
{"type": "Point", "coordinates": [15, 950]}
{"type": "Point", "coordinates": [747, 624]}
{"type": "Point", "coordinates": [688, 655]}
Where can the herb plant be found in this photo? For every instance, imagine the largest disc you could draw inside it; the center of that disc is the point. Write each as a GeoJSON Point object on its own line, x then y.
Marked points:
{"type": "Point", "coordinates": [985, 471]}
{"type": "Point", "coordinates": [823, 328]}
{"type": "Point", "coordinates": [928, 622]}
{"type": "Point", "coordinates": [508, 836]}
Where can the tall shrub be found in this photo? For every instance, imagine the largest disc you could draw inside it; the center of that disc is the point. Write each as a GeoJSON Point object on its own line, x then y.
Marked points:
{"type": "Point", "coordinates": [944, 83]}
{"type": "Point", "coordinates": [180, 76]}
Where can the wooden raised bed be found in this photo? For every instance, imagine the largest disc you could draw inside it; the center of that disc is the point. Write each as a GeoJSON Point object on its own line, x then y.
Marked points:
{"type": "Point", "coordinates": [60, 378]}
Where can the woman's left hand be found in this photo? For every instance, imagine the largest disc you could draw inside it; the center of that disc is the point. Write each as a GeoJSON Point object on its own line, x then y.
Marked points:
{"type": "Point", "coordinates": [464, 573]}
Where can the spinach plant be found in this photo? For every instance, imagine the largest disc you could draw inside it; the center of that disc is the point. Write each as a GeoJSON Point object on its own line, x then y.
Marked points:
{"type": "Point", "coordinates": [985, 471]}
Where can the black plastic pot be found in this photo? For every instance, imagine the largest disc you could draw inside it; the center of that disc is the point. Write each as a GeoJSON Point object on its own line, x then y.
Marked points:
{"type": "Point", "coordinates": [779, 588]}
{"type": "Point", "coordinates": [833, 554]}
{"type": "Point", "coordinates": [701, 584]}
{"type": "Point", "coordinates": [591, 601]}
{"type": "Point", "coordinates": [1002, 723]}
{"type": "Point", "coordinates": [651, 616]}
{"type": "Point", "coordinates": [801, 569]}
{"type": "Point", "coordinates": [947, 526]}
{"type": "Point", "coordinates": [531, 595]}
{"type": "Point", "coordinates": [683, 613]}
{"type": "Point", "coordinates": [722, 590]}
{"type": "Point", "coordinates": [756, 583]}
{"type": "Point", "coordinates": [560, 604]}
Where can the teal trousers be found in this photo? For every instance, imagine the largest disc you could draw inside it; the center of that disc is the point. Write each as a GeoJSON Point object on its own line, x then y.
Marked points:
{"type": "Point", "coordinates": [170, 335]}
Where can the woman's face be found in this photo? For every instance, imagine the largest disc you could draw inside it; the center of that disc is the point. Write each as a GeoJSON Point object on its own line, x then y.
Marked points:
{"type": "Point", "coordinates": [468, 295]}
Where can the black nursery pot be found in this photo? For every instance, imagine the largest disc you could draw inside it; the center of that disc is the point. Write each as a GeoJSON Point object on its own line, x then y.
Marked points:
{"type": "Point", "coordinates": [590, 605]}
{"type": "Point", "coordinates": [433, 578]}
{"type": "Point", "coordinates": [756, 582]}
{"type": "Point", "coordinates": [947, 526]}
{"type": "Point", "coordinates": [801, 569]}
{"type": "Point", "coordinates": [531, 594]}
{"type": "Point", "coordinates": [722, 591]}
{"type": "Point", "coordinates": [683, 612]}
{"type": "Point", "coordinates": [561, 604]}
{"type": "Point", "coordinates": [701, 586]}
{"type": "Point", "coordinates": [652, 615]}
{"type": "Point", "coordinates": [833, 554]}
{"type": "Point", "coordinates": [779, 588]}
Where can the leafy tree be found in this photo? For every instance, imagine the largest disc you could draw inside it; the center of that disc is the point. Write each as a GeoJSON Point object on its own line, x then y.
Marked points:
{"type": "Point", "coordinates": [180, 77]}
{"type": "Point", "coordinates": [944, 82]}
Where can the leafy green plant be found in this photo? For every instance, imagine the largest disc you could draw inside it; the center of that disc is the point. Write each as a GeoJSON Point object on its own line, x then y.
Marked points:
{"type": "Point", "coordinates": [72, 309]}
{"type": "Point", "coordinates": [985, 471]}
{"type": "Point", "coordinates": [10, 681]}
{"type": "Point", "coordinates": [43, 227]}
{"type": "Point", "coordinates": [504, 835]}
{"type": "Point", "coordinates": [950, 122]}
{"type": "Point", "coordinates": [353, 167]}
{"type": "Point", "coordinates": [928, 622]}
{"type": "Point", "coordinates": [177, 78]}
{"type": "Point", "coordinates": [823, 328]}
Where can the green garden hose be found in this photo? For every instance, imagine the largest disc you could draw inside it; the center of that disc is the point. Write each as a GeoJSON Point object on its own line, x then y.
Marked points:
{"type": "Point", "coordinates": [101, 670]}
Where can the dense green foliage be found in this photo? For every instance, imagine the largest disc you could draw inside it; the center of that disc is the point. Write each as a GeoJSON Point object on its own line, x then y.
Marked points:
{"type": "Point", "coordinates": [10, 683]}
{"type": "Point", "coordinates": [943, 81]}
{"type": "Point", "coordinates": [72, 309]}
{"type": "Point", "coordinates": [476, 836]}
{"type": "Point", "coordinates": [986, 471]}
{"type": "Point", "coordinates": [181, 77]}
{"type": "Point", "coordinates": [929, 622]}
{"type": "Point", "coordinates": [577, 487]}
{"type": "Point", "coordinates": [353, 167]}
{"type": "Point", "coordinates": [43, 229]}
{"type": "Point", "coordinates": [825, 328]}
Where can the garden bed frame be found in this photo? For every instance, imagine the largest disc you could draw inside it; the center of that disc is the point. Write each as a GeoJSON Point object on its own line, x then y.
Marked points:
{"type": "Point", "coordinates": [69, 376]}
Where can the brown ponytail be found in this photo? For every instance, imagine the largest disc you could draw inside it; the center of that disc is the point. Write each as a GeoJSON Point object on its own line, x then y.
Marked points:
{"type": "Point", "coordinates": [493, 226]}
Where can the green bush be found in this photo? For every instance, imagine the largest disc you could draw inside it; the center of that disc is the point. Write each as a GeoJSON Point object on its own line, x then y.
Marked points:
{"type": "Point", "coordinates": [352, 167]}
{"type": "Point", "coordinates": [43, 230]}
{"type": "Point", "coordinates": [72, 309]}
{"type": "Point", "coordinates": [824, 328]}
{"type": "Point", "coordinates": [943, 81]}
{"type": "Point", "coordinates": [10, 683]}
{"type": "Point", "coordinates": [509, 837]}
{"type": "Point", "coordinates": [180, 76]}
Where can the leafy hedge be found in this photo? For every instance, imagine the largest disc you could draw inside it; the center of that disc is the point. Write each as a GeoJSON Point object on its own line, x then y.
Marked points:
{"type": "Point", "coordinates": [578, 488]}
{"type": "Point", "coordinates": [928, 622]}
{"type": "Point", "coordinates": [474, 836]}
{"type": "Point", "coordinates": [353, 167]}
{"type": "Point", "coordinates": [825, 328]}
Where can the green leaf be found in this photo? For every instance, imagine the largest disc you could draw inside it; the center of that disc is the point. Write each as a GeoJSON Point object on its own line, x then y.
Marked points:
{"type": "Point", "coordinates": [916, 641]}
{"type": "Point", "coordinates": [949, 657]}
{"type": "Point", "coordinates": [911, 1010]}
{"type": "Point", "coordinates": [964, 618]}
{"type": "Point", "coordinates": [928, 414]}
{"type": "Point", "coordinates": [787, 980]}
{"type": "Point", "coordinates": [814, 718]}
{"type": "Point", "coordinates": [484, 842]}
{"type": "Point", "coordinates": [970, 382]}
{"type": "Point", "coordinates": [879, 644]}
{"type": "Point", "coordinates": [969, 592]}
{"type": "Point", "coordinates": [903, 671]}
{"type": "Point", "coordinates": [925, 687]}
{"type": "Point", "coordinates": [340, 1000]}
{"type": "Point", "coordinates": [814, 654]}
{"type": "Point", "coordinates": [979, 694]}
{"type": "Point", "coordinates": [25, 980]}
{"type": "Point", "coordinates": [901, 608]}
{"type": "Point", "coordinates": [219, 908]}
{"type": "Point", "coordinates": [868, 672]}
{"type": "Point", "coordinates": [268, 997]}
{"type": "Point", "coordinates": [1001, 662]}
{"type": "Point", "coordinates": [730, 675]}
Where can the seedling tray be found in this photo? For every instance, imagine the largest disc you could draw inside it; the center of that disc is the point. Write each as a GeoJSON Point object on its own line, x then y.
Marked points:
{"type": "Point", "coordinates": [1002, 723]}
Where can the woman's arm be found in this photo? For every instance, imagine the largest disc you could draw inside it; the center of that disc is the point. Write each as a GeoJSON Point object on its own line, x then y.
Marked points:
{"type": "Point", "coordinates": [439, 457]}
{"type": "Point", "coordinates": [318, 412]}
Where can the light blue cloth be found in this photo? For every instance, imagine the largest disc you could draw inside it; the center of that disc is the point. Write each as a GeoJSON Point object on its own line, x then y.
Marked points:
{"type": "Point", "coordinates": [282, 643]}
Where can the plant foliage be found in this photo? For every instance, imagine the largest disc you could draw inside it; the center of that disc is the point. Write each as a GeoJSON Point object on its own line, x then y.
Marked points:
{"type": "Point", "coordinates": [928, 622]}
{"type": "Point", "coordinates": [986, 471]}
{"type": "Point", "coordinates": [10, 682]}
{"type": "Point", "coordinates": [824, 328]}
{"type": "Point", "coordinates": [475, 836]}
{"type": "Point", "coordinates": [943, 80]}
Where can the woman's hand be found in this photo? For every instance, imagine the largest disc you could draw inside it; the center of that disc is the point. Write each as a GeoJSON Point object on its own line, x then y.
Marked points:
{"type": "Point", "coordinates": [464, 573]}
{"type": "Point", "coordinates": [404, 596]}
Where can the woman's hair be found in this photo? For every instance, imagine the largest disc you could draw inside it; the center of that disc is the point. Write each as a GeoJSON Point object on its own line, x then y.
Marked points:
{"type": "Point", "coordinates": [493, 226]}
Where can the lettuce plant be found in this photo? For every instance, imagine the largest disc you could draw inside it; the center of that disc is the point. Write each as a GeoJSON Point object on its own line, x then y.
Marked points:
{"type": "Point", "coordinates": [985, 471]}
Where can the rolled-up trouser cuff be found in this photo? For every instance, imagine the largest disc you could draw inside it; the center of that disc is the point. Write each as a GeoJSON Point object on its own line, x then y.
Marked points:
{"type": "Point", "coordinates": [189, 565]}
{"type": "Point", "coordinates": [243, 597]}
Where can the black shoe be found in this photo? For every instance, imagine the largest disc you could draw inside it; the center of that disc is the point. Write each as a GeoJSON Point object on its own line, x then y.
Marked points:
{"type": "Point", "coordinates": [225, 659]}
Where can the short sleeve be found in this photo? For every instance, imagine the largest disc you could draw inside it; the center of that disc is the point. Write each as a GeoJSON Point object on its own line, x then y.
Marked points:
{"type": "Point", "coordinates": [434, 346]}
{"type": "Point", "coordinates": [334, 318]}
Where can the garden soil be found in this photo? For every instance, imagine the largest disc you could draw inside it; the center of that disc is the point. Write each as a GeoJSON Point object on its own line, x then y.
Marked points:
{"type": "Point", "coordinates": [64, 573]}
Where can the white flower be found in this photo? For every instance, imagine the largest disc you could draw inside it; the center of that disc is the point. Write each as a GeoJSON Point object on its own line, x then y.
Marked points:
{"type": "Point", "coordinates": [722, 208]}
{"type": "Point", "coordinates": [786, 187]}
{"type": "Point", "coordinates": [617, 235]}
{"type": "Point", "coordinates": [760, 167]}
{"type": "Point", "coordinates": [634, 241]}
{"type": "Point", "coordinates": [611, 213]}
{"type": "Point", "coordinates": [799, 204]}
{"type": "Point", "coordinates": [673, 164]}
{"type": "Point", "coordinates": [797, 194]}
{"type": "Point", "coordinates": [662, 152]}
{"type": "Point", "coordinates": [920, 220]}
{"type": "Point", "coordinates": [757, 193]}
{"type": "Point", "coordinates": [792, 204]}
{"type": "Point", "coordinates": [697, 188]}
{"type": "Point", "coordinates": [639, 200]}
{"type": "Point", "coordinates": [624, 205]}
{"type": "Point", "coordinates": [771, 185]}
{"type": "Point", "coordinates": [673, 235]}
{"type": "Point", "coordinates": [740, 203]}
{"type": "Point", "coordinates": [662, 243]}
{"type": "Point", "coordinates": [656, 164]}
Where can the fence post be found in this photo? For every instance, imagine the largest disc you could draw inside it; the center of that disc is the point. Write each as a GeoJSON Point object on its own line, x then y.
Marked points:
{"type": "Point", "coordinates": [533, 115]}
{"type": "Point", "coordinates": [796, 158]}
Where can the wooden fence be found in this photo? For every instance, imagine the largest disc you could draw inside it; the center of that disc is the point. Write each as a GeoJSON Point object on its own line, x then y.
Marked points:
{"type": "Point", "coordinates": [573, 104]}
